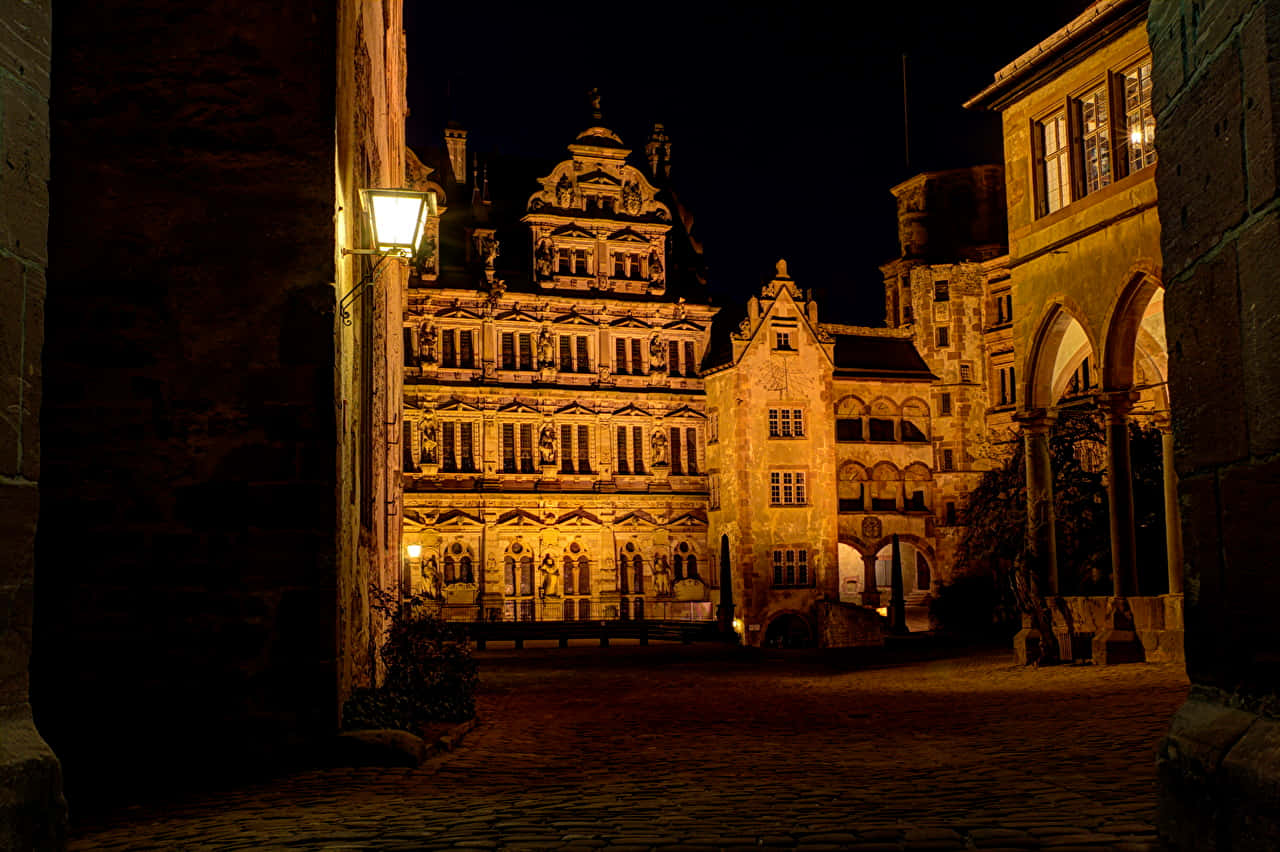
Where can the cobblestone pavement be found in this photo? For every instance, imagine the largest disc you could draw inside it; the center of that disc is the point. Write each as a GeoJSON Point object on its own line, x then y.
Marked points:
{"type": "Point", "coordinates": [693, 748]}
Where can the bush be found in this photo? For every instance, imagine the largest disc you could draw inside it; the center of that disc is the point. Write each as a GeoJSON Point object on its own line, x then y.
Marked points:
{"type": "Point", "coordinates": [971, 605]}
{"type": "Point", "coordinates": [430, 674]}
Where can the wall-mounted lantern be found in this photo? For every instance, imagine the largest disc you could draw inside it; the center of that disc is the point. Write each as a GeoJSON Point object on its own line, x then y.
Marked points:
{"type": "Point", "coordinates": [397, 220]}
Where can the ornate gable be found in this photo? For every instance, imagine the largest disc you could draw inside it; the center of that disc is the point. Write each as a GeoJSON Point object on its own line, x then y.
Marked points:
{"type": "Point", "coordinates": [578, 518]}
{"type": "Point", "coordinates": [572, 318]}
{"type": "Point", "coordinates": [637, 519]}
{"type": "Point", "coordinates": [630, 322]}
{"type": "Point", "coordinates": [456, 404]}
{"type": "Point", "coordinates": [457, 312]}
{"type": "Point", "coordinates": [517, 407]}
{"type": "Point", "coordinates": [575, 408]}
{"type": "Point", "coordinates": [686, 411]}
{"type": "Point", "coordinates": [631, 410]}
{"type": "Point", "coordinates": [518, 518]}
{"type": "Point", "coordinates": [516, 315]}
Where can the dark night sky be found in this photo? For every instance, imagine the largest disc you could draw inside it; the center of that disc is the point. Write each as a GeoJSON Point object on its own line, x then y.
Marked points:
{"type": "Point", "coordinates": [785, 118]}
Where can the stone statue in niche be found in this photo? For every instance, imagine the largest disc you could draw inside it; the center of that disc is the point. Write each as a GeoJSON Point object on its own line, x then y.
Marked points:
{"type": "Point", "coordinates": [659, 443]}
{"type": "Point", "coordinates": [548, 578]}
{"type": "Point", "coordinates": [657, 354]}
{"type": "Point", "coordinates": [655, 266]}
{"type": "Point", "coordinates": [661, 575]}
{"type": "Point", "coordinates": [546, 348]}
{"type": "Point", "coordinates": [429, 443]}
{"type": "Point", "coordinates": [433, 588]}
{"type": "Point", "coordinates": [488, 248]}
{"type": "Point", "coordinates": [542, 259]}
{"type": "Point", "coordinates": [631, 197]}
{"type": "Point", "coordinates": [547, 444]}
{"type": "Point", "coordinates": [564, 192]}
{"type": "Point", "coordinates": [681, 310]}
{"type": "Point", "coordinates": [427, 342]}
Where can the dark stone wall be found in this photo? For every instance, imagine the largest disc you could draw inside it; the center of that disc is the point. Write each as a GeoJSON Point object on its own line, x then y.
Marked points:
{"type": "Point", "coordinates": [1217, 91]}
{"type": "Point", "coordinates": [186, 585]}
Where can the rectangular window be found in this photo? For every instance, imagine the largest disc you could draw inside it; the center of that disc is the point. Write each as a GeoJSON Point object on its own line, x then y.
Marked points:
{"type": "Point", "coordinates": [786, 488]}
{"type": "Point", "coordinates": [713, 427]}
{"type": "Point", "coordinates": [1055, 174]}
{"type": "Point", "coordinates": [777, 567]}
{"type": "Point", "coordinates": [584, 449]}
{"type": "Point", "coordinates": [782, 340]}
{"type": "Point", "coordinates": [948, 460]}
{"type": "Point", "coordinates": [466, 447]}
{"type": "Point", "coordinates": [802, 567]}
{"type": "Point", "coordinates": [637, 361]}
{"type": "Point", "coordinates": [691, 450]}
{"type": "Point", "coordinates": [790, 567]}
{"type": "Point", "coordinates": [1095, 137]}
{"type": "Point", "coordinates": [526, 448]}
{"type": "Point", "coordinates": [466, 349]}
{"type": "Point", "coordinates": [580, 262]}
{"type": "Point", "coordinates": [620, 356]}
{"type": "Point", "coordinates": [1140, 122]}
{"type": "Point", "coordinates": [786, 423]}
{"type": "Point", "coordinates": [880, 429]}
{"type": "Point", "coordinates": [526, 352]}
{"type": "Point", "coordinates": [690, 368]}
{"type": "Point", "coordinates": [951, 516]}
{"type": "Point", "coordinates": [563, 261]}
{"type": "Point", "coordinates": [566, 448]}
{"type": "Point", "coordinates": [637, 448]}
{"type": "Point", "coordinates": [448, 352]}
{"type": "Point", "coordinates": [673, 357]}
{"type": "Point", "coordinates": [584, 365]}
{"type": "Point", "coordinates": [849, 429]}
{"type": "Point", "coordinates": [622, 451]}
{"type": "Point", "coordinates": [944, 405]}
{"type": "Point", "coordinates": [1013, 389]}
{"type": "Point", "coordinates": [676, 467]}
{"type": "Point", "coordinates": [1004, 389]}
{"type": "Point", "coordinates": [508, 350]}
{"type": "Point", "coordinates": [508, 448]}
{"type": "Point", "coordinates": [448, 459]}
{"type": "Point", "coordinates": [942, 290]}
{"type": "Point", "coordinates": [619, 266]}
{"type": "Point", "coordinates": [966, 373]}
{"type": "Point", "coordinates": [713, 485]}
{"type": "Point", "coordinates": [944, 337]}
{"type": "Point", "coordinates": [566, 354]}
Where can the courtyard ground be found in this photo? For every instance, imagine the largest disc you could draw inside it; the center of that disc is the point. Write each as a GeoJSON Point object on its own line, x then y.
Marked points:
{"type": "Point", "coordinates": [702, 747]}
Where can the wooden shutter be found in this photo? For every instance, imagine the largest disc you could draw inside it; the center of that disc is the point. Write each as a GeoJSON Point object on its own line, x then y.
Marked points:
{"type": "Point", "coordinates": [1041, 195]}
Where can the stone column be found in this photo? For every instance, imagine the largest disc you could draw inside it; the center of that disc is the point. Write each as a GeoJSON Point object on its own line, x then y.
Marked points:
{"type": "Point", "coordinates": [1040, 519]}
{"type": "Point", "coordinates": [870, 595]}
{"type": "Point", "coordinates": [1124, 562]}
{"type": "Point", "coordinates": [1172, 517]}
{"type": "Point", "coordinates": [897, 597]}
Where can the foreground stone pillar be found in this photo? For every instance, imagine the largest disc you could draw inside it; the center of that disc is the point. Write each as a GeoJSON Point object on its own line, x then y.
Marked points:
{"type": "Point", "coordinates": [1040, 518]}
{"type": "Point", "coordinates": [897, 593]}
{"type": "Point", "coordinates": [1172, 515]}
{"type": "Point", "coordinates": [1124, 558]}
{"type": "Point", "coordinates": [1213, 68]}
{"type": "Point", "coordinates": [870, 594]}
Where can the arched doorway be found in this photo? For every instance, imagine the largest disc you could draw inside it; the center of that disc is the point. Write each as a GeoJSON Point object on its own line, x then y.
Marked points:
{"type": "Point", "coordinates": [788, 631]}
{"type": "Point", "coordinates": [850, 569]}
{"type": "Point", "coordinates": [917, 575]}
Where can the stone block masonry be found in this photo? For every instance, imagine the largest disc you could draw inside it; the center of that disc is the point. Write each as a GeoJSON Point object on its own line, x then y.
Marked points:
{"type": "Point", "coordinates": [1216, 91]}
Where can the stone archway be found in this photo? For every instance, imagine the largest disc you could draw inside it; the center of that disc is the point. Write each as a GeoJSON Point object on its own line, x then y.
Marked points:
{"type": "Point", "coordinates": [789, 630]}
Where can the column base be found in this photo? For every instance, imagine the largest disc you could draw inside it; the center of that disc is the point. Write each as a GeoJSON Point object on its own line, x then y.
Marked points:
{"type": "Point", "coordinates": [33, 812]}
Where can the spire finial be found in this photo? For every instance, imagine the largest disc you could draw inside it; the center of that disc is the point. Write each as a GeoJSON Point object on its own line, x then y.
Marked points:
{"type": "Point", "coordinates": [594, 97]}
{"type": "Point", "coordinates": [781, 267]}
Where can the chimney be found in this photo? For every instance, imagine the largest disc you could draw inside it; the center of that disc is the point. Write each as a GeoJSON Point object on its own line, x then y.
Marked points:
{"type": "Point", "coordinates": [658, 150]}
{"type": "Point", "coordinates": [456, 140]}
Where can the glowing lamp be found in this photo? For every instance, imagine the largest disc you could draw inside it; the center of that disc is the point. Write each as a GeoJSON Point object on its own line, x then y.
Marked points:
{"type": "Point", "coordinates": [738, 626]}
{"type": "Point", "coordinates": [397, 219]}
{"type": "Point", "coordinates": [1136, 137]}
{"type": "Point", "coordinates": [415, 550]}
{"type": "Point", "coordinates": [884, 611]}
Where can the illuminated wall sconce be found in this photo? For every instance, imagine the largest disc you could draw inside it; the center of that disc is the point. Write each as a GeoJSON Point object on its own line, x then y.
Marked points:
{"type": "Point", "coordinates": [414, 550]}
{"type": "Point", "coordinates": [397, 220]}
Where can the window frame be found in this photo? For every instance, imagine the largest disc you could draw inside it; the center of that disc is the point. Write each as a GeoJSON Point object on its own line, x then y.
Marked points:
{"type": "Point", "coordinates": [788, 487]}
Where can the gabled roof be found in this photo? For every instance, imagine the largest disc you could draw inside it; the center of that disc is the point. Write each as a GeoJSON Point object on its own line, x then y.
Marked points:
{"type": "Point", "coordinates": [631, 409]}
{"type": "Point", "coordinates": [518, 316]}
{"type": "Point", "coordinates": [518, 406]}
{"type": "Point", "coordinates": [457, 516]}
{"type": "Point", "coordinates": [630, 322]}
{"type": "Point", "coordinates": [572, 318]}
{"type": "Point", "coordinates": [686, 411]}
{"type": "Point", "coordinates": [456, 311]}
{"type": "Point", "coordinates": [684, 325]}
{"type": "Point", "coordinates": [575, 408]}
{"type": "Point", "coordinates": [573, 230]}
{"type": "Point", "coordinates": [579, 514]}
{"type": "Point", "coordinates": [456, 404]}
{"type": "Point", "coordinates": [518, 516]}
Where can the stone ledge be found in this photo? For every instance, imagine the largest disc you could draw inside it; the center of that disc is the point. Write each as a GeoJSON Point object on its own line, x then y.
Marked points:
{"type": "Point", "coordinates": [1219, 770]}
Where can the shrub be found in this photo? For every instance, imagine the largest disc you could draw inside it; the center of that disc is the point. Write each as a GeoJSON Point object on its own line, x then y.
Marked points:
{"type": "Point", "coordinates": [430, 673]}
{"type": "Point", "coordinates": [971, 605]}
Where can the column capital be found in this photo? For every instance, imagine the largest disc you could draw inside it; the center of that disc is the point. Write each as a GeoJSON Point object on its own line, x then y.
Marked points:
{"type": "Point", "coordinates": [1116, 404]}
{"type": "Point", "coordinates": [1036, 420]}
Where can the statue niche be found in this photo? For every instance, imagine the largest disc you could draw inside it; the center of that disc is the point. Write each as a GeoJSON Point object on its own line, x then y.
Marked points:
{"type": "Point", "coordinates": [543, 259]}
{"type": "Point", "coordinates": [659, 442]}
{"type": "Point", "coordinates": [564, 192]}
{"type": "Point", "coordinates": [547, 444]}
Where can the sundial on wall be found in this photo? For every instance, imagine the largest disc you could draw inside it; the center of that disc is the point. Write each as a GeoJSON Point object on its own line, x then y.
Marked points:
{"type": "Point", "coordinates": [775, 377]}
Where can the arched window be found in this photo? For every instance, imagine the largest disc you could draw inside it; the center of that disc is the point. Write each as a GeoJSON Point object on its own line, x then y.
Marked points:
{"type": "Point", "coordinates": [509, 576]}
{"type": "Point", "coordinates": [465, 573]}
{"type": "Point", "coordinates": [624, 574]}
{"type": "Point", "coordinates": [851, 487]}
{"type": "Point", "coordinates": [691, 565]}
{"type": "Point", "coordinates": [918, 488]}
{"type": "Point", "coordinates": [450, 574]}
{"type": "Point", "coordinates": [637, 566]}
{"type": "Point", "coordinates": [566, 577]}
{"type": "Point", "coordinates": [526, 575]}
{"type": "Point", "coordinates": [584, 576]}
{"type": "Point", "coordinates": [885, 487]}
{"type": "Point", "coordinates": [915, 421]}
{"type": "Point", "coordinates": [639, 609]}
{"type": "Point", "coordinates": [677, 564]}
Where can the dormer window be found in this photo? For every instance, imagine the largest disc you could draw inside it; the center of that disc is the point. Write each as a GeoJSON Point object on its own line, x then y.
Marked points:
{"type": "Point", "coordinates": [782, 340]}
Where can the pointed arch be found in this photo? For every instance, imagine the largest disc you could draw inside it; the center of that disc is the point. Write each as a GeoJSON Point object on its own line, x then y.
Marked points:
{"type": "Point", "coordinates": [1039, 368]}
{"type": "Point", "coordinates": [1124, 325]}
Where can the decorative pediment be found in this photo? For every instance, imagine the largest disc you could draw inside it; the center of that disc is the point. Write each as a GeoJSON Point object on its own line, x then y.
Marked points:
{"type": "Point", "coordinates": [518, 518]}
{"type": "Point", "coordinates": [630, 322]}
{"type": "Point", "coordinates": [457, 518]}
{"type": "Point", "coordinates": [627, 235]}
{"type": "Point", "coordinates": [599, 177]}
{"type": "Point", "coordinates": [684, 325]}
{"type": "Point", "coordinates": [516, 315]}
{"type": "Point", "coordinates": [637, 519]}
{"type": "Point", "coordinates": [576, 408]}
{"type": "Point", "coordinates": [517, 407]}
{"type": "Point", "coordinates": [578, 517]}
{"type": "Point", "coordinates": [456, 404]}
{"type": "Point", "coordinates": [573, 231]}
{"type": "Point", "coordinates": [572, 318]}
{"type": "Point", "coordinates": [457, 312]}
{"type": "Point", "coordinates": [631, 410]}
{"type": "Point", "coordinates": [686, 411]}
{"type": "Point", "coordinates": [689, 519]}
